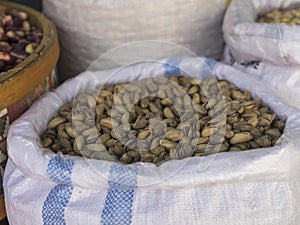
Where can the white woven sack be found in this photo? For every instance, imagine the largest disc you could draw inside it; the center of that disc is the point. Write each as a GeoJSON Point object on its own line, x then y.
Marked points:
{"type": "Point", "coordinates": [250, 41]}
{"type": "Point", "coordinates": [258, 187]}
{"type": "Point", "coordinates": [88, 29]}
{"type": "Point", "coordinates": [284, 79]}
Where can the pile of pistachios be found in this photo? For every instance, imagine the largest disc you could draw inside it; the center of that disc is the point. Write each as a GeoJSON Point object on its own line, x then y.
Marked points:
{"type": "Point", "coordinates": [18, 39]}
{"type": "Point", "coordinates": [159, 119]}
{"type": "Point", "coordinates": [291, 17]}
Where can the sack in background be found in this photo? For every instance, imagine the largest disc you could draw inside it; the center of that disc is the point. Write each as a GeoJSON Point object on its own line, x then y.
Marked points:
{"type": "Point", "coordinates": [251, 187]}
{"type": "Point", "coordinates": [88, 29]}
{"type": "Point", "coordinates": [268, 51]}
{"type": "Point", "coordinates": [251, 41]}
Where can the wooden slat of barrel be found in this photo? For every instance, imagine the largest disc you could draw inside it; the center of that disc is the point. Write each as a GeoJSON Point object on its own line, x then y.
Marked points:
{"type": "Point", "coordinates": [2, 208]}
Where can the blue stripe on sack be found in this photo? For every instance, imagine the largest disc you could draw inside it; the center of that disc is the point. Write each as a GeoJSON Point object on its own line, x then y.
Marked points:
{"type": "Point", "coordinates": [210, 63]}
{"type": "Point", "coordinates": [172, 67]}
{"type": "Point", "coordinates": [59, 171]}
{"type": "Point", "coordinates": [119, 199]}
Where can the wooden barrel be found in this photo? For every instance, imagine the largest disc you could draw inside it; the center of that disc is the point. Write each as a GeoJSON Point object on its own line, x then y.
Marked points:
{"type": "Point", "coordinates": [19, 81]}
{"type": "Point", "coordinates": [22, 85]}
